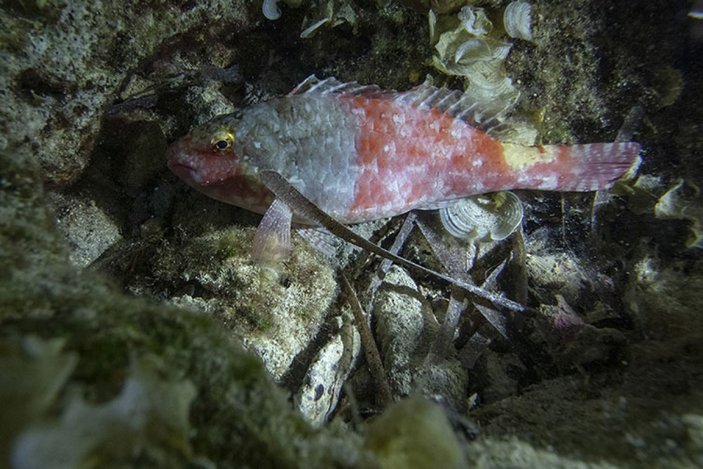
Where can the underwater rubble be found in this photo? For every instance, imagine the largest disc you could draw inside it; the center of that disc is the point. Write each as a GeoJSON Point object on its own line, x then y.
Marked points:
{"type": "Point", "coordinates": [135, 330]}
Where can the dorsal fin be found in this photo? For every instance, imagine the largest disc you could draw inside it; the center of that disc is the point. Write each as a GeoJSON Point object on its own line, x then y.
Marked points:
{"type": "Point", "coordinates": [452, 102]}
{"type": "Point", "coordinates": [458, 104]}
{"type": "Point", "coordinates": [313, 85]}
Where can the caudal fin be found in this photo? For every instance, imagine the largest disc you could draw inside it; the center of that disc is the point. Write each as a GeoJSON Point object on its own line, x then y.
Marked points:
{"type": "Point", "coordinates": [578, 168]}
{"type": "Point", "coordinates": [596, 166]}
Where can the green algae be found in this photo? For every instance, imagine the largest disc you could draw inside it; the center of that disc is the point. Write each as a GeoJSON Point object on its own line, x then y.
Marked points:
{"type": "Point", "coordinates": [240, 415]}
{"type": "Point", "coordinates": [414, 433]}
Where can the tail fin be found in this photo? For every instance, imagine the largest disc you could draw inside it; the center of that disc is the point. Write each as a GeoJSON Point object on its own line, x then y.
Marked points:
{"type": "Point", "coordinates": [578, 168]}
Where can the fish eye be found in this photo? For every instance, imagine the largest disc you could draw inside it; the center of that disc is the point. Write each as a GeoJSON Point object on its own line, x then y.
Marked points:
{"type": "Point", "coordinates": [222, 139]}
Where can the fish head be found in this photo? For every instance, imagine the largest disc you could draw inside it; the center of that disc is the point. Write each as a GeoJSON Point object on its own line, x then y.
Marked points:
{"type": "Point", "coordinates": [206, 156]}
{"type": "Point", "coordinates": [209, 159]}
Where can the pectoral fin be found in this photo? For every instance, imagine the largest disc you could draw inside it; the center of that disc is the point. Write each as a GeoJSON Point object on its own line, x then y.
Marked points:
{"type": "Point", "coordinates": [272, 239]}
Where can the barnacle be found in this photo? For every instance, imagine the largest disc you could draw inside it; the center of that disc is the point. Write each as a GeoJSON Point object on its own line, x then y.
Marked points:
{"type": "Point", "coordinates": [467, 46]}
{"type": "Point", "coordinates": [516, 20]}
{"type": "Point", "coordinates": [489, 217]}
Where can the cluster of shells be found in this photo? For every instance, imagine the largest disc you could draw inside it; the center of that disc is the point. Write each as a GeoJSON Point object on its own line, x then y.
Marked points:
{"type": "Point", "coordinates": [325, 13]}
{"type": "Point", "coordinates": [468, 45]}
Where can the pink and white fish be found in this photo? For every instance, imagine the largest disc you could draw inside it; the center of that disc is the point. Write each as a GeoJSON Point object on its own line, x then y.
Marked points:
{"type": "Point", "coordinates": [360, 153]}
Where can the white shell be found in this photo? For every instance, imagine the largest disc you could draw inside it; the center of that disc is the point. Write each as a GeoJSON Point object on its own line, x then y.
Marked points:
{"type": "Point", "coordinates": [270, 9]}
{"type": "Point", "coordinates": [475, 21]}
{"type": "Point", "coordinates": [311, 28]}
{"type": "Point", "coordinates": [487, 217]}
{"type": "Point", "coordinates": [517, 20]}
{"type": "Point", "coordinates": [473, 49]}
{"type": "Point", "coordinates": [491, 88]}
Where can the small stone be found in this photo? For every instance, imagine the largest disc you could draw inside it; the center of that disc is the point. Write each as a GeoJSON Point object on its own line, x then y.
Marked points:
{"type": "Point", "coordinates": [89, 231]}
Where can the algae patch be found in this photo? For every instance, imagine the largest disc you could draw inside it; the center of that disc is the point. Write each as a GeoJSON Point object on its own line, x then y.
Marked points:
{"type": "Point", "coordinates": [415, 433]}
{"type": "Point", "coordinates": [275, 316]}
{"type": "Point", "coordinates": [149, 411]}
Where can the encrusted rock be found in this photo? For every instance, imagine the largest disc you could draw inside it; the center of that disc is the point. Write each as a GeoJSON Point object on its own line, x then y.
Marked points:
{"type": "Point", "coordinates": [88, 230]}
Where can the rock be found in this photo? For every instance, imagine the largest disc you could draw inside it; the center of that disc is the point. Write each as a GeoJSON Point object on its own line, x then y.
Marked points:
{"type": "Point", "coordinates": [205, 401]}
{"type": "Point", "coordinates": [665, 302]}
{"type": "Point", "coordinates": [275, 313]}
{"type": "Point", "coordinates": [501, 373]}
{"type": "Point", "coordinates": [148, 408]}
{"type": "Point", "coordinates": [88, 230]}
{"type": "Point", "coordinates": [318, 397]}
{"type": "Point", "coordinates": [405, 332]}
{"type": "Point", "coordinates": [63, 64]}
{"type": "Point", "coordinates": [149, 71]}
{"type": "Point", "coordinates": [415, 433]}
{"type": "Point", "coordinates": [399, 328]}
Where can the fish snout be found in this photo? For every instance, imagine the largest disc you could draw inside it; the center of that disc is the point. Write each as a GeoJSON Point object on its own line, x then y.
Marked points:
{"type": "Point", "coordinates": [179, 159]}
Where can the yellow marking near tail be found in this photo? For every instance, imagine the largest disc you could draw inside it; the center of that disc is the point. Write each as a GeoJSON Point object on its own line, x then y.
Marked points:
{"type": "Point", "coordinates": [521, 157]}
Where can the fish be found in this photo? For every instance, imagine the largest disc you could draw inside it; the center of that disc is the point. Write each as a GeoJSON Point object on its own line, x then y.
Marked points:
{"type": "Point", "coordinates": [360, 153]}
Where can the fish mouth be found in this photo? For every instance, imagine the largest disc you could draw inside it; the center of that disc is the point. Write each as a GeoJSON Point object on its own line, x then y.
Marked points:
{"type": "Point", "coordinates": [193, 176]}
{"type": "Point", "coordinates": [182, 170]}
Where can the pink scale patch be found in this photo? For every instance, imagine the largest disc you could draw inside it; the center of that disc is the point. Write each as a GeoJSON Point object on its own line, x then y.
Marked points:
{"type": "Point", "coordinates": [402, 150]}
